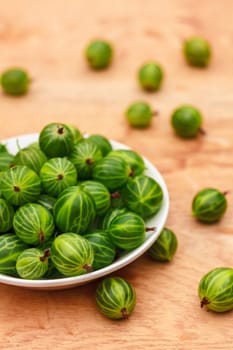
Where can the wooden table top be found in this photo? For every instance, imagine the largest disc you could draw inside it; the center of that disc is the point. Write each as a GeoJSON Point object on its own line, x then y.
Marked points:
{"type": "Point", "coordinates": [47, 38]}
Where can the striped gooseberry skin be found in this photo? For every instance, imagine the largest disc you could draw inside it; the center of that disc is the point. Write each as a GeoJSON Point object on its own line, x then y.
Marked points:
{"type": "Point", "coordinates": [99, 193]}
{"type": "Point", "coordinates": [127, 230]}
{"type": "Point", "coordinates": [164, 247]}
{"type": "Point", "coordinates": [102, 142]}
{"type": "Point", "coordinates": [72, 254]}
{"type": "Point", "coordinates": [6, 215]}
{"type": "Point", "coordinates": [132, 158]}
{"type": "Point", "coordinates": [56, 175]}
{"type": "Point", "coordinates": [32, 264]}
{"type": "Point", "coordinates": [33, 223]}
{"type": "Point", "coordinates": [112, 171]}
{"type": "Point", "coordinates": [56, 140]}
{"type": "Point", "coordinates": [74, 211]}
{"type": "Point", "coordinates": [215, 289]}
{"type": "Point", "coordinates": [104, 249]}
{"type": "Point", "coordinates": [187, 121]}
{"type": "Point", "coordinates": [20, 185]}
{"type": "Point", "coordinates": [1, 174]}
{"type": "Point", "coordinates": [143, 195]}
{"type": "Point", "coordinates": [209, 205]}
{"type": "Point", "coordinates": [115, 298]}
{"type": "Point", "coordinates": [77, 135]}
{"type": "Point", "coordinates": [6, 161]}
{"type": "Point", "coordinates": [3, 148]}
{"type": "Point", "coordinates": [32, 157]}
{"type": "Point", "coordinates": [10, 248]}
{"type": "Point", "coordinates": [110, 215]}
{"type": "Point", "coordinates": [84, 156]}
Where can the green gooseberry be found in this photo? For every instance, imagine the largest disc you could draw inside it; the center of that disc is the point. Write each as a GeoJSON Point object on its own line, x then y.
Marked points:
{"type": "Point", "coordinates": [32, 263]}
{"type": "Point", "coordinates": [197, 51]}
{"type": "Point", "coordinates": [127, 230]}
{"type": "Point", "coordinates": [112, 171]}
{"type": "Point", "coordinates": [115, 298]}
{"type": "Point", "coordinates": [56, 175]}
{"type": "Point", "coordinates": [102, 142]}
{"type": "Point", "coordinates": [187, 121]}
{"type": "Point", "coordinates": [72, 254]}
{"type": "Point", "coordinates": [99, 193]}
{"type": "Point", "coordinates": [99, 54]}
{"type": "Point", "coordinates": [139, 114]}
{"type": "Point", "coordinates": [10, 248]}
{"type": "Point", "coordinates": [143, 195]}
{"type": "Point", "coordinates": [15, 81]}
{"type": "Point", "coordinates": [209, 205]}
{"type": "Point", "coordinates": [74, 211]}
{"type": "Point", "coordinates": [33, 223]}
{"type": "Point", "coordinates": [131, 157]}
{"type": "Point", "coordinates": [104, 249]}
{"type": "Point", "coordinates": [150, 76]}
{"type": "Point", "coordinates": [164, 247]}
{"type": "Point", "coordinates": [215, 289]}
{"type": "Point", "coordinates": [30, 156]}
{"type": "Point", "coordinates": [20, 185]}
{"type": "Point", "coordinates": [84, 156]}
{"type": "Point", "coordinates": [56, 140]}
{"type": "Point", "coordinates": [6, 215]}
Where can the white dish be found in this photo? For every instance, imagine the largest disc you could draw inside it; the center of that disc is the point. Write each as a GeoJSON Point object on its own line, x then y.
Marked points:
{"type": "Point", "coordinates": [157, 221]}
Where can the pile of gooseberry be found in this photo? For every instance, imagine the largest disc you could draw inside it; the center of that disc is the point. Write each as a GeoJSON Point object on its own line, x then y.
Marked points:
{"type": "Point", "coordinates": [71, 204]}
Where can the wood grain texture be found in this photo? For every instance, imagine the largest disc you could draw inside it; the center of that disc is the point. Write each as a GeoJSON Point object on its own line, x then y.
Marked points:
{"type": "Point", "coordinates": [48, 38]}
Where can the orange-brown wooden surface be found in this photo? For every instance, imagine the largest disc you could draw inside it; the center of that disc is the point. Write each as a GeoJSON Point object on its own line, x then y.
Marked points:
{"type": "Point", "coordinates": [48, 38]}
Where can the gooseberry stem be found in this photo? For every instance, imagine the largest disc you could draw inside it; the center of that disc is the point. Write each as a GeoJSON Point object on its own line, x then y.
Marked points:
{"type": "Point", "coordinates": [88, 267]}
{"type": "Point", "coordinates": [41, 237]}
{"type": "Point", "coordinates": [124, 313]}
{"type": "Point", "coordinates": [60, 130]}
{"type": "Point", "coordinates": [155, 113]}
{"type": "Point", "coordinates": [115, 195]}
{"type": "Point", "coordinates": [60, 176]}
{"type": "Point", "coordinates": [46, 255]}
{"type": "Point", "coordinates": [16, 188]}
{"type": "Point", "coordinates": [225, 193]}
{"type": "Point", "coordinates": [150, 229]}
{"type": "Point", "coordinates": [131, 173]}
{"type": "Point", "coordinates": [89, 161]}
{"type": "Point", "coordinates": [204, 302]}
{"type": "Point", "coordinates": [202, 131]}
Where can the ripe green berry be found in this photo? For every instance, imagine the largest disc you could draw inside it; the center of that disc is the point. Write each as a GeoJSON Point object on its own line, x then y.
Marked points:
{"type": "Point", "coordinates": [32, 263]}
{"type": "Point", "coordinates": [15, 82]}
{"type": "Point", "coordinates": [215, 289]}
{"type": "Point", "coordinates": [150, 76]}
{"type": "Point", "coordinates": [164, 247]}
{"type": "Point", "coordinates": [115, 298]}
{"type": "Point", "coordinates": [139, 115]}
{"type": "Point", "coordinates": [99, 54]}
{"type": "Point", "coordinates": [197, 52]}
{"type": "Point", "coordinates": [209, 205]}
{"type": "Point", "coordinates": [187, 121]}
